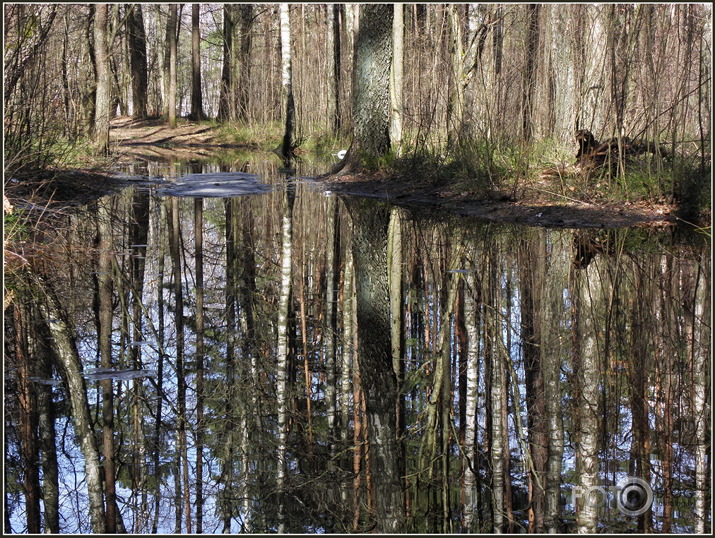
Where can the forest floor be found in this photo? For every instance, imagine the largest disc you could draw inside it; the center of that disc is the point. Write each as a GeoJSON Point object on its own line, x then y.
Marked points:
{"type": "Point", "coordinates": [532, 205]}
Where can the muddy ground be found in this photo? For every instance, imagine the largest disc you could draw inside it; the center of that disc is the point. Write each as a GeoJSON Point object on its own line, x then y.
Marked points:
{"type": "Point", "coordinates": [133, 139]}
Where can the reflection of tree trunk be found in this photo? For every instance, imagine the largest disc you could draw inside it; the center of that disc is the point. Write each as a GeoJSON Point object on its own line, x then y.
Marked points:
{"type": "Point", "coordinates": [700, 342]}
{"type": "Point", "coordinates": [470, 517]}
{"type": "Point", "coordinates": [104, 295]}
{"type": "Point", "coordinates": [182, 458]}
{"type": "Point", "coordinates": [27, 423]}
{"type": "Point", "coordinates": [158, 445]}
{"type": "Point", "coordinates": [66, 348]}
{"type": "Point", "coordinates": [346, 359]}
{"type": "Point", "coordinates": [532, 278]}
{"type": "Point", "coordinates": [370, 223]}
{"type": "Point", "coordinates": [638, 367]}
{"type": "Point", "coordinates": [46, 423]}
{"type": "Point", "coordinates": [199, 259]}
{"type": "Point", "coordinates": [397, 338]}
{"type": "Point", "coordinates": [284, 308]}
{"type": "Point", "coordinates": [589, 301]}
{"type": "Point", "coordinates": [330, 327]}
{"type": "Point", "coordinates": [552, 356]}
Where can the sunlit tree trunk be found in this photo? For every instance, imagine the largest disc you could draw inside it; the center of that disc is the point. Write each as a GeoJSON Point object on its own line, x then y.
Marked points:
{"type": "Point", "coordinates": [137, 49]}
{"type": "Point", "coordinates": [532, 61]}
{"type": "Point", "coordinates": [284, 309]}
{"type": "Point", "coordinates": [396, 77]}
{"type": "Point", "coordinates": [371, 88]}
{"type": "Point", "coordinates": [455, 107]}
{"type": "Point", "coordinates": [287, 102]}
{"type": "Point", "coordinates": [66, 348]}
{"type": "Point", "coordinates": [171, 54]}
{"type": "Point", "coordinates": [334, 66]}
{"type": "Point", "coordinates": [103, 80]}
{"type": "Point", "coordinates": [588, 282]}
{"type": "Point", "coordinates": [197, 102]}
{"type": "Point", "coordinates": [226, 102]}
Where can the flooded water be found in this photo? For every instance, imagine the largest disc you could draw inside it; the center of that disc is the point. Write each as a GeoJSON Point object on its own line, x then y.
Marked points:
{"type": "Point", "coordinates": [283, 359]}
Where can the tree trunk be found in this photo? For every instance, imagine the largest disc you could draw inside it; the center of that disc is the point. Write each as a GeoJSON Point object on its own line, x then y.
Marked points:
{"type": "Point", "coordinates": [700, 342]}
{"type": "Point", "coordinates": [284, 309]}
{"type": "Point", "coordinates": [104, 300]}
{"type": "Point", "coordinates": [470, 517]}
{"type": "Point", "coordinates": [529, 81]}
{"type": "Point", "coordinates": [334, 67]}
{"type": "Point", "coordinates": [66, 348]}
{"type": "Point", "coordinates": [396, 77]}
{"type": "Point", "coordinates": [370, 223]}
{"type": "Point", "coordinates": [226, 106]}
{"type": "Point", "coordinates": [197, 103]}
{"type": "Point", "coordinates": [171, 45]}
{"type": "Point", "coordinates": [137, 49]}
{"type": "Point", "coordinates": [287, 103]}
{"type": "Point", "coordinates": [371, 89]}
{"type": "Point", "coordinates": [553, 354]}
{"type": "Point", "coordinates": [200, 426]}
{"type": "Point", "coordinates": [103, 81]}
{"type": "Point", "coordinates": [589, 301]}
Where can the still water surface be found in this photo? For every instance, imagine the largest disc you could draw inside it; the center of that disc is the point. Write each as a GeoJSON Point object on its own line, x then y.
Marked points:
{"type": "Point", "coordinates": [526, 364]}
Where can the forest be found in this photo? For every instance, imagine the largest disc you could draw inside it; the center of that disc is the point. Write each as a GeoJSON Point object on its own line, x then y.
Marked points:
{"type": "Point", "coordinates": [284, 359]}
{"type": "Point", "coordinates": [484, 93]}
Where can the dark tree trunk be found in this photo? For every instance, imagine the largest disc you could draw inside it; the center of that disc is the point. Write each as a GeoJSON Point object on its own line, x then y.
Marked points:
{"type": "Point", "coordinates": [137, 50]}
{"type": "Point", "coordinates": [197, 106]}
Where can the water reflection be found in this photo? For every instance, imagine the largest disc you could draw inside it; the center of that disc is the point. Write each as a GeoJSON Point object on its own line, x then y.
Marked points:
{"type": "Point", "coordinates": [400, 373]}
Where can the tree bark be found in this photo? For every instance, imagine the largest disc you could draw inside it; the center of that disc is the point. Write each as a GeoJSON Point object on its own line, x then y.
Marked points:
{"type": "Point", "coordinates": [287, 102]}
{"type": "Point", "coordinates": [284, 309]}
{"type": "Point", "coordinates": [370, 223]}
{"type": "Point", "coordinates": [396, 77]}
{"type": "Point", "coordinates": [138, 60]}
{"type": "Point", "coordinates": [197, 102]}
{"type": "Point", "coordinates": [103, 80]}
{"type": "Point", "coordinates": [66, 348]}
{"type": "Point", "coordinates": [589, 301]}
{"type": "Point", "coordinates": [334, 67]}
{"type": "Point", "coordinates": [371, 89]}
{"type": "Point", "coordinates": [171, 45]}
